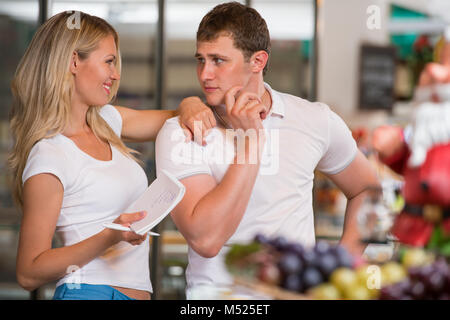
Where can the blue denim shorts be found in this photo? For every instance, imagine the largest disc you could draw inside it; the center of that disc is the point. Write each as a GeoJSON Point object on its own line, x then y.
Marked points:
{"type": "Point", "coordinates": [83, 291]}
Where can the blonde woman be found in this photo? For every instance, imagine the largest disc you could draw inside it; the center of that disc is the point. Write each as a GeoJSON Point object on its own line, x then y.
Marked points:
{"type": "Point", "coordinates": [71, 170]}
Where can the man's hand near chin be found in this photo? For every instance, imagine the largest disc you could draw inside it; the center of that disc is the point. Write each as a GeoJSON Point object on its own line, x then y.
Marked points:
{"type": "Point", "coordinates": [232, 95]}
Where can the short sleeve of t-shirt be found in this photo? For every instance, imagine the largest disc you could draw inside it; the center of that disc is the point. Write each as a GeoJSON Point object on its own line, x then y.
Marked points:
{"type": "Point", "coordinates": [341, 148]}
{"type": "Point", "coordinates": [44, 157]}
{"type": "Point", "coordinates": [112, 116]}
{"type": "Point", "coordinates": [180, 158]}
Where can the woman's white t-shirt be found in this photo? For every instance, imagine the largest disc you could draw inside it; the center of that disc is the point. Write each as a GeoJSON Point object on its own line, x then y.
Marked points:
{"type": "Point", "coordinates": [95, 192]}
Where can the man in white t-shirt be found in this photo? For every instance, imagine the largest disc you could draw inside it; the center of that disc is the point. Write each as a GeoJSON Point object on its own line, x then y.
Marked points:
{"type": "Point", "coordinates": [235, 190]}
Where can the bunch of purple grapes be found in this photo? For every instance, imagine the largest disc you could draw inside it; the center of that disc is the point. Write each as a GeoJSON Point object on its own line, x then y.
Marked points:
{"type": "Point", "coordinates": [430, 282]}
{"type": "Point", "coordinates": [298, 268]}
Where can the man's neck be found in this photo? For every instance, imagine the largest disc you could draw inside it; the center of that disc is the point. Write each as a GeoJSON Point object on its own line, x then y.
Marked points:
{"type": "Point", "coordinates": [266, 99]}
{"type": "Point", "coordinates": [221, 112]}
{"type": "Point", "coordinates": [261, 92]}
{"type": "Point", "coordinates": [257, 86]}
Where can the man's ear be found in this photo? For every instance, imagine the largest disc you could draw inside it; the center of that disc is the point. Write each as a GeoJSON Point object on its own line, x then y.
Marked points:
{"type": "Point", "coordinates": [259, 60]}
{"type": "Point", "coordinates": [74, 63]}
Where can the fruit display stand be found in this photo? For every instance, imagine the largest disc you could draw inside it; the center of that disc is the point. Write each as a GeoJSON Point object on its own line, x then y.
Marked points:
{"type": "Point", "coordinates": [282, 270]}
{"type": "Point", "coordinates": [271, 291]}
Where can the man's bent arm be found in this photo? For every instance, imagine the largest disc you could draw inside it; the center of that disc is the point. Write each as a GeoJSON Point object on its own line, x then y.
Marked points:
{"type": "Point", "coordinates": [210, 213]}
{"type": "Point", "coordinates": [354, 181]}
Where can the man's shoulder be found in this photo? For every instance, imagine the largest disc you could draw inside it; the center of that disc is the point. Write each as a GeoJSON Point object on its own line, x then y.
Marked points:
{"type": "Point", "coordinates": [301, 104]}
{"type": "Point", "coordinates": [171, 125]}
{"type": "Point", "coordinates": [170, 133]}
{"type": "Point", "coordinates": [172, 130]}
{"type": "Point", "coordinates": [304, 111]}
{"type": "Point", "coordinates": [305, 103]}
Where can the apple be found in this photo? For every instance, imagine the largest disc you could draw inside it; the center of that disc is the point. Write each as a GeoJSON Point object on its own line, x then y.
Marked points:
{"type": "Point", "coordinates": [342, 278]}
{"type": "Point", "coordinates": [416, 257]}
{"type": "Point", "coordinates": [325, 291]}
{"type": "Point", "coordinates": [357, 292]}
{"type": "Point", "coordinates": [369, 276]}
{"type": "Point", "coordinates": [392, 272]}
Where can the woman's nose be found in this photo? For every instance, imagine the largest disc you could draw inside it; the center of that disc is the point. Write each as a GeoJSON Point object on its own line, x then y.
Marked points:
{"type": "Point", "coordinates": [115, 75]}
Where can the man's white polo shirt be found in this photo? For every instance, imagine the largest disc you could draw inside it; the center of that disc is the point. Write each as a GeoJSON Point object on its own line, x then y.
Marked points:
{"type": "Point", "coordinates": [301, 137]}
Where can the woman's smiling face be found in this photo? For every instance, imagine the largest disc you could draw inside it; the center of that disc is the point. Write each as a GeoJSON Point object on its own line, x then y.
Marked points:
{"type": "Point", "coordinates": [95, 75]}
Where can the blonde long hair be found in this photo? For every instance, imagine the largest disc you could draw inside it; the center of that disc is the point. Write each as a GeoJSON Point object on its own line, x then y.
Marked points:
{"type": "Point", "coordinates": [43, 84]}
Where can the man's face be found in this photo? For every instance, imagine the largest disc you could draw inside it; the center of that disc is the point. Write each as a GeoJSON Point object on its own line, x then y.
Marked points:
{"type": "Point", "coordinates": [220, 66]}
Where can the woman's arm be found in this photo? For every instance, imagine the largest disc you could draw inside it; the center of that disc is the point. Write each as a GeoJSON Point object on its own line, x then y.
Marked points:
{"type": "Point", "coordinates": [37, 263]}
{"type": "Point", "coordinates": [144, 125]}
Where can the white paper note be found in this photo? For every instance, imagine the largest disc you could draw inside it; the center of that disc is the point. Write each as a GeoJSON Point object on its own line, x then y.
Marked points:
{"type": "Point", "coordinates": [158, 200]}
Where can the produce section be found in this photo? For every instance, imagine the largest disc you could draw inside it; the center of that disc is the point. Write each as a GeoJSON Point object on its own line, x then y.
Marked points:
{"type": "Point", "coordinates": [287, 270]}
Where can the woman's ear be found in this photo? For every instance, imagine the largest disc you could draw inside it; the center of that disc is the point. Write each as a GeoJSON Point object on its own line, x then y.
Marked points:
{"type": "Point", "coordinates": [259, 60]}
{"type": "Point", "coordinates": [74, 63]}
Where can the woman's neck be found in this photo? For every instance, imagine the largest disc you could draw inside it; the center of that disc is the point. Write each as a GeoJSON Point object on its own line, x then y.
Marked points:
{"type": "Point", "coordinates": [77, 124]}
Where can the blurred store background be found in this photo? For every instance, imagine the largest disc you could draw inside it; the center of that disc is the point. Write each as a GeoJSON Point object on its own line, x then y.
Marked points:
{"type": "Point", "coordinates": [361, 57]}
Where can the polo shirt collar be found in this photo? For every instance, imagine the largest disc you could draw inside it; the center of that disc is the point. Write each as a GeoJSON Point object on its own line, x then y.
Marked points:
{"type": "Point", "coordinates": [278, 107]}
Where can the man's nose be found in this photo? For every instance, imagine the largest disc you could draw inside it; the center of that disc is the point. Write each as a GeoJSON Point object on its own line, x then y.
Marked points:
{"type": "Point", "coordinates": [207, 72]}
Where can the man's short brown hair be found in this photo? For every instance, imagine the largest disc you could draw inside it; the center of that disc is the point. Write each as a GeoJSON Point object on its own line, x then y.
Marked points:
{"type": "Point", "coordinates": [243, 24]}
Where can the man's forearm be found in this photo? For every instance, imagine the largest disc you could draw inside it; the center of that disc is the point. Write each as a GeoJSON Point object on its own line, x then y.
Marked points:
{"type": "Point", "coordinates": [351, 237]}
{"type": "Point", "coordinates": [356, 181]}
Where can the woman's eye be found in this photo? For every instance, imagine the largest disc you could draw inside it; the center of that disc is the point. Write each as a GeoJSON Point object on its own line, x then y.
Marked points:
{"type": "Point", "coordinates": [109, 61]}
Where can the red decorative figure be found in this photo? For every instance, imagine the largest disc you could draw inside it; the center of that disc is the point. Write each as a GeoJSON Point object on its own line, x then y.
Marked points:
{"type": "Point", "coordinates": [421, 153]}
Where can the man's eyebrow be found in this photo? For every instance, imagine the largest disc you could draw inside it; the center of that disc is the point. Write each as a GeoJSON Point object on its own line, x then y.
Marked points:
{"type": "Point", "coordinates": [211, 55]}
